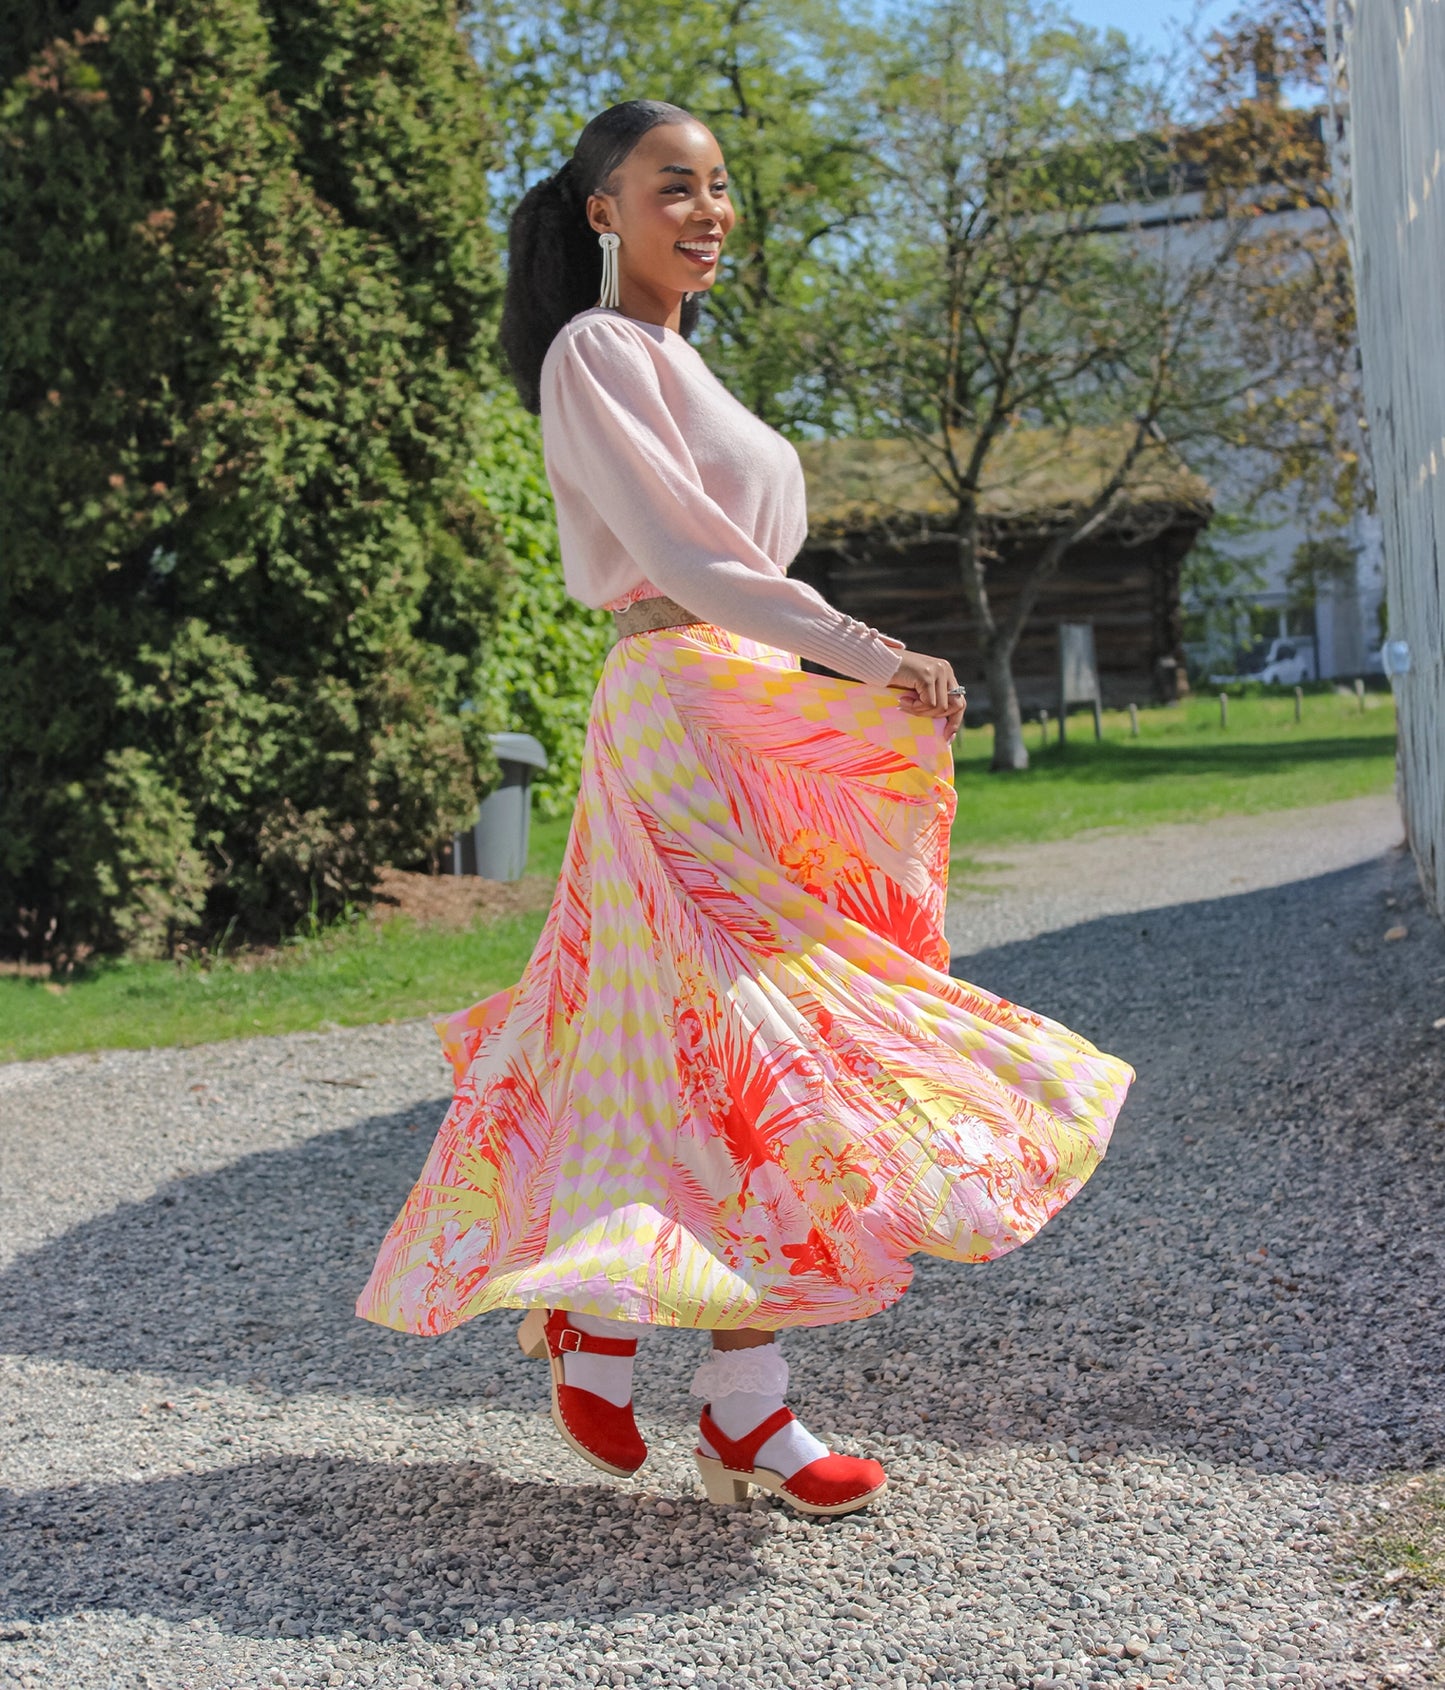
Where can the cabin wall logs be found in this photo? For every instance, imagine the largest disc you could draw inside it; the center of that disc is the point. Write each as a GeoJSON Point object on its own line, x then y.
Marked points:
{"type": "Point", "coordinates": [1130, 593]}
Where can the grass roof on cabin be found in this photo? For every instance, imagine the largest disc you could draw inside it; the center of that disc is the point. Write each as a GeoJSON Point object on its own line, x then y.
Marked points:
{"type": "Point", "coordinates": [1032, 474]}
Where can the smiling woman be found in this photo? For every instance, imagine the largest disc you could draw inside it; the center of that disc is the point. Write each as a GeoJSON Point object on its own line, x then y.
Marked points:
{"type": "Point", "coordinates": [674, 228]}
{"type": "Point", "coordinates": [736, 1087]}
{"type": "Point", "coordinates": [646, 172]}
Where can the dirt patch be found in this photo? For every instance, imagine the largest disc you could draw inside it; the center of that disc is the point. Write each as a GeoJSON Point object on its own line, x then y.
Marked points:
{"type": "Point", "coordinates": [457, 900]}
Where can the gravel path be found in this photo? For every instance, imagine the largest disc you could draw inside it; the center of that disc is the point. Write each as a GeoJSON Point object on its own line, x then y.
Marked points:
{"type": "Point", "coordinates": [1025, 890]}
{"type": "Point", "coordinates": [1125, 1455]}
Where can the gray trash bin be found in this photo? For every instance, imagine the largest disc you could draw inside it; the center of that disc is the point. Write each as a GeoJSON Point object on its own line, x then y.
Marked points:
{"type": "Point", "coordinates": [495, 846]}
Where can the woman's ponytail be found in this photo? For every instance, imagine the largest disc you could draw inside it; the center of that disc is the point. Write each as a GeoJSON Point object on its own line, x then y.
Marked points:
{"type": "Point", "coordinates": [554, 264]}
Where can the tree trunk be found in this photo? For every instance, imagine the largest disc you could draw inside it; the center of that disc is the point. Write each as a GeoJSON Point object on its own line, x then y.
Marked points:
{"type": "Point", "coordinates": [996, 647]}
{"type": "Point", "coordinates": [1009, 750]}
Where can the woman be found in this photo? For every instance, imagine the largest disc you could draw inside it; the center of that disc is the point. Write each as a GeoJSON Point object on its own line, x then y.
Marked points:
{"type": "Point", "coordinates": [736, 1087]}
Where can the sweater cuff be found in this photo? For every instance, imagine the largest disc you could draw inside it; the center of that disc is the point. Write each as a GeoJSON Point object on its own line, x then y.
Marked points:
{"type": "Point", "coordinates": [855, 650]}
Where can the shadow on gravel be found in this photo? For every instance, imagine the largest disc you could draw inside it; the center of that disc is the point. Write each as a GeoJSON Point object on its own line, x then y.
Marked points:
{"type": "Point", "coordinates": [1254, 1274]}
{"type": "Point", "coordinates": [307, 1547]}
{"type": "Point", "coordinates": [250, 1273]}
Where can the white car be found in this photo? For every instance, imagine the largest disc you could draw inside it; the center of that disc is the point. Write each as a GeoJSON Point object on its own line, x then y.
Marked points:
{"type": "Point", "coordinates": [1287, 662]}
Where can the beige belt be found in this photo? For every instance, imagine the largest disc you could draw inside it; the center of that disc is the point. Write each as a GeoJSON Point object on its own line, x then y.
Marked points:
{"type": "Point", "coordinates": [647, 614]}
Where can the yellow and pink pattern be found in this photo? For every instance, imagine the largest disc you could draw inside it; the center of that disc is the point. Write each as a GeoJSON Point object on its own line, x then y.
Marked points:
{"type": "Point", "coordinates": [736, 1085]}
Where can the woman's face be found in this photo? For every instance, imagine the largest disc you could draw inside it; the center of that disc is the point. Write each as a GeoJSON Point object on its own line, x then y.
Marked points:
{"type": "Point", "coordinates": [671, 211]}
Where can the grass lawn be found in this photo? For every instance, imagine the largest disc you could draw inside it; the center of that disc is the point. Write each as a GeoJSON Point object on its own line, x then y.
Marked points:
{"type": "Point", "coordinates": [351, 975]}
{"type": "Point", "coordinates": [1182, 767]}
{"type": "Point", "coordinates": [347, 978]}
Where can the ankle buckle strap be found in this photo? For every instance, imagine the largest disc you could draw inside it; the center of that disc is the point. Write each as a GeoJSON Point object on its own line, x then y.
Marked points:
{"type": "Point", "coordinates": [566, 1339]}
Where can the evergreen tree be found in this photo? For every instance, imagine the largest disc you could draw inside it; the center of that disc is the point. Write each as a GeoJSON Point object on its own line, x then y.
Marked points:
{"type": "Point", "coordinates": [246, 283]}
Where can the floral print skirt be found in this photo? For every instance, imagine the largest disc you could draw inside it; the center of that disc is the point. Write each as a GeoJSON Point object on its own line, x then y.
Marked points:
{"type": "Point", "coordinates": [736, 1085]}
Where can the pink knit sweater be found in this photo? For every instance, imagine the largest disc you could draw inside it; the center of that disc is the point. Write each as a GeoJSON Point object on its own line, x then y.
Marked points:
{"type": "Point", "coordinates": [666, 485]}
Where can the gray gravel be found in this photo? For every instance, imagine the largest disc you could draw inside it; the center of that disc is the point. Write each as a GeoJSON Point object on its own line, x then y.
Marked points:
{"type": "Point", "coordinates": [1021, 891]}
{"type": "Point", "coordinates": [1126, 1455]}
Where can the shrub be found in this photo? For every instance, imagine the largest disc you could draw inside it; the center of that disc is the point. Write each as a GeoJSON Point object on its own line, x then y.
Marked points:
{"type": "Point", "coordinates": [246, 287]}
{"type": "Point", "coordinates": [548, 649]}
{"type": "Point", "coordinates": [136, 878]}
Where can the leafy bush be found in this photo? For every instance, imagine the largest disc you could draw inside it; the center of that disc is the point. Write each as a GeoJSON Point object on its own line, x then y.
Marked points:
{"type": "Point", "coordinates": [547, 651]}
{"type": "Point", "coordinates": [246, 283]}
{"type": "Point", "coordinates": [136, 878]}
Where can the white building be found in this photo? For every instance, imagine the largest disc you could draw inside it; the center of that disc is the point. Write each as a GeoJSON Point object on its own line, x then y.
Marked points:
{"type": "Point", "coordinates": [1226, 628]}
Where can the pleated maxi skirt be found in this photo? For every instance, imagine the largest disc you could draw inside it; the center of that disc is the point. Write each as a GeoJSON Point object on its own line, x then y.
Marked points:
{"type": "Point", "coordinates": [736, 1085]}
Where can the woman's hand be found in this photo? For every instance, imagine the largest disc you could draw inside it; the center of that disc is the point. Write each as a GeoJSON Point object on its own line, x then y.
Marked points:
{"type": "Point", "coordinates": [925, 683]}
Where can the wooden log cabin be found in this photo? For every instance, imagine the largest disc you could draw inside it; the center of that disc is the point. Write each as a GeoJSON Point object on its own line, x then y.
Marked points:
{"type": "Point", "coordinates": [879, 548]}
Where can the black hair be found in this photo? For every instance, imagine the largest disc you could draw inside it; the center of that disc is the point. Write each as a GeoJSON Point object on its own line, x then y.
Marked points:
{"type": "Point", "coordinates": [554, 264]}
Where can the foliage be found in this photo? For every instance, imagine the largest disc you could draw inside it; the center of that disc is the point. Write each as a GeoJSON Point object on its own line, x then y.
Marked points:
{"type": "Point", "coordinates": [1222, 565]}
{"type": "Point", "coordinates": [1218, 578]}
{"type": "Point", "coordinates": [777, 81]}
{"type": "Point", "coordinates": [548, 649]}
{"type": "Point", "coordinates": [1055, 249]}
{"type": "Point", "coordinates": [1258, 158]}
{"type": "Point", "coordinates": [136, 878]}
{"type": "Point", "coordinates": [949, 233]}
{"type": "Point", "coordinates": [246, 277]}
{"type": "Point", "coordinates": [1319, 566]}
{"type": "Point", "coordinates": [1011, 284]}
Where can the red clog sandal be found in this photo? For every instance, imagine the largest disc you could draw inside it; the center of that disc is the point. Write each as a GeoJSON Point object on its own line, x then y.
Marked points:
{"type": "Point", "coordinates": [833, 1484]}
{"type": "Point", "coordinates": [596, 1429]}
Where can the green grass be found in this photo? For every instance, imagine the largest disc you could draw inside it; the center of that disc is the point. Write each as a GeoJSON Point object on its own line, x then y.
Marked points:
{"type": "Point", "coordinates": [1182, 767]}
{"type": "Point", "coordinates": [546, 843]}
{"type": "Point", "coordinates": [351, 975]}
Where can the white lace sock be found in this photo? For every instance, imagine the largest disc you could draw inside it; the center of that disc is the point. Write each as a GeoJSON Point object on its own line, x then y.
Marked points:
{"type": "Point", "coordinates": [742, 1388]}
{"type": "Point", "coordinates": [607, 1376]}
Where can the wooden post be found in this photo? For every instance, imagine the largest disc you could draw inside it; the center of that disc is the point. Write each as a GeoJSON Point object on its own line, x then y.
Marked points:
{"type": "Point", "coordinates": [1299, 703]}
{"type": "Point", "coordinates": [1224, 709]}
{"type": "Point", "coordinates": [1133, 721]}
{"type": "Point", "coordinates": [1360, 692]}
{"type": "Point", "coordinates": [1098, 720]}
{"type": "Point", "coordinates": [1043, 727]}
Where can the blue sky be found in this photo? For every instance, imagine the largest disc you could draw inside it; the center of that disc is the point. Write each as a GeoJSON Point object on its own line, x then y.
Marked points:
{"type": "Point", "coordinates": [1155, 25]}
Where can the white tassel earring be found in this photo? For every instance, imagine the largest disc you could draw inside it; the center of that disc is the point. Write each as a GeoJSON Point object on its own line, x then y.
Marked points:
{"type": "Point", "coordinates": [609, 244]}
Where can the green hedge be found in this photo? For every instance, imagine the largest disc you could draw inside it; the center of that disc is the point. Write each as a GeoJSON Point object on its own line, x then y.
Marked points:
{"type": "Point", "coordinates": [246, 587]}
{"type": "Point", "coordinates": [548, 649]}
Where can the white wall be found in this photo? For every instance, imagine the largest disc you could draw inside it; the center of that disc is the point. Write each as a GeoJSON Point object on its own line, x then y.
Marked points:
{"type": "Point", "coordinates": [1395, 56]}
